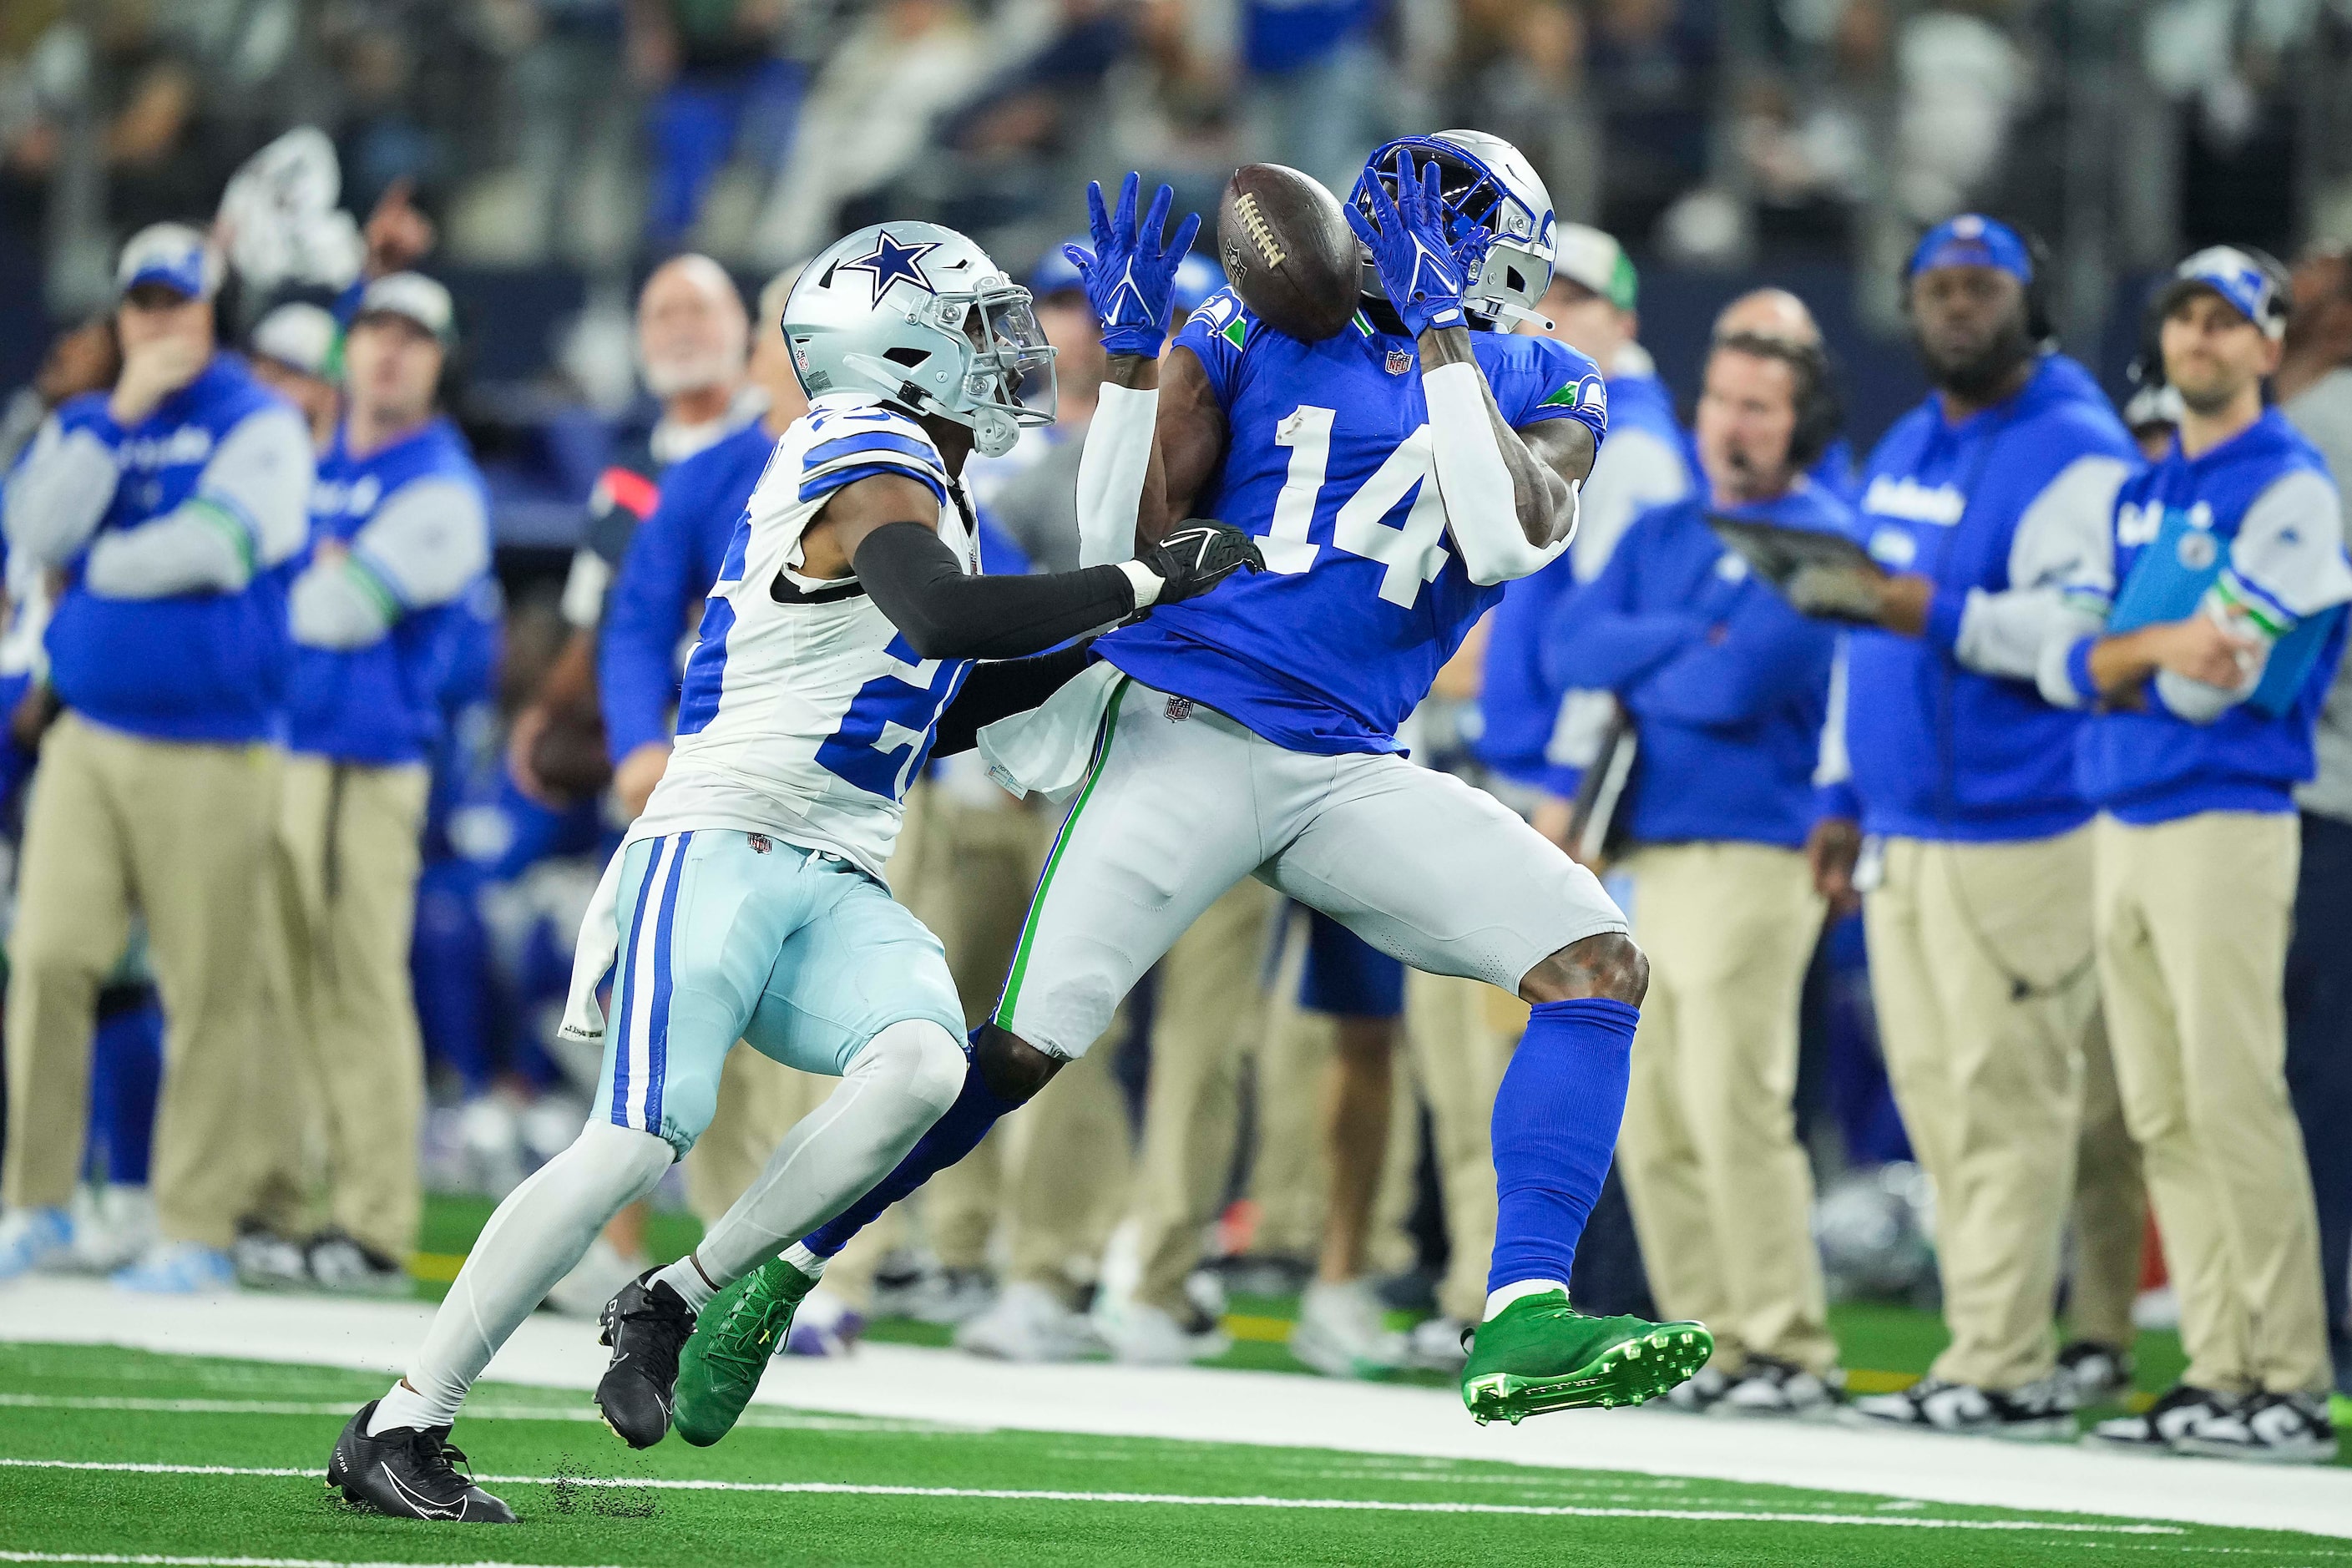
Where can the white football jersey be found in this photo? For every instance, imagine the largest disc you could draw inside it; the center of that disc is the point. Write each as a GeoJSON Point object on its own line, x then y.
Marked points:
{"type": "Point", "coordinates": [805, 713]}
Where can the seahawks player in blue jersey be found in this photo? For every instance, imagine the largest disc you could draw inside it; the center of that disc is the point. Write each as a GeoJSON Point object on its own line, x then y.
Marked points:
{"type": "Point", "coordinates": [1396, 475]}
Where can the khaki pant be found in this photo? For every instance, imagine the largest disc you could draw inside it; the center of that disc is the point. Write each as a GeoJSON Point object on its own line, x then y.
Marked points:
{"type": "Point", "coordinates": [966, 868]}
{"type": "Point", "coordinates": [178, 831]}
{"type": "Point", "coordinates": [2110, 1206]}
{"type": "Point", "coordinates": [2194, 918]}
{"type": "Point", "coordinates": [1980, 968]}
{"type": "Point", "coordinates": [341, 1032]}
{"type": "Point", "coordinates": [1460, 1034]}
{"type": "Point", "coordinates": [1720, 1190]}
{"type": "Point", "coordinates": [1211, 1010]}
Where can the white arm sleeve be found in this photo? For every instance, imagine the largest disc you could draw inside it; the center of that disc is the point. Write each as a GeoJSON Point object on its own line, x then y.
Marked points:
{"type": "Point", "coordinates": [59, 492]}
{"type": "Point", "coordinates": [425, 546]}
{"type": "Point", "coordinates": [2065, 527]}
{"type": "Point", "coordinates": [2287, 563]}
{"type": "Point", "coordinates": [1481, 504]}
{"type": "Point", "coordinates": [1112, 468]}
{"type": "Point", "coordinates": [250, 510]}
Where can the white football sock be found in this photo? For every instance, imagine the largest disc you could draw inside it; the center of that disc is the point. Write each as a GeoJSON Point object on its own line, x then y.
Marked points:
{"type": "Point", "coordinates": [807, 1262]}
{"type": "Point", "coordinates": [1499, 1299]}
{"type": "Point", "coordinates": [900, 1081]}
{"type": "Point", "coordinates": [535, 1236]}
{"type": "Point", "coordinates": [685, 1279]}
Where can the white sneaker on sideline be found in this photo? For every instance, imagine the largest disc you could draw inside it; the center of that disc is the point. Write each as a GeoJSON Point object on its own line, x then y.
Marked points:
{"type": "Point", "coordinates": [1027, 1323]}
{"type": "Point", "coordinates": [113, 1225]}
{"type": "Point", "coordinates": [1141, 1334]}
{"type": "Point", "coordinates": [1342, 1332]}
{"type": "Point", "coordinates": [179, 1268]}
{"type": "Point", "coordinates": [595, 1279]}
{"type": "Point", "coordinates": [1435, 1344]}
{"type": "Point", "coordinates": [34, 1238]}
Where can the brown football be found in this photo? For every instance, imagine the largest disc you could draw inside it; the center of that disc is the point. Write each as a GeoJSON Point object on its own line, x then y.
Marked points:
{"type": "Point", "coordinates": [1287, 251]}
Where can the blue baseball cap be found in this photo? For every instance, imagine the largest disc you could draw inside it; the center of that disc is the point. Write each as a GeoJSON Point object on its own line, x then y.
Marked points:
{"type": "Point", "coordinates": [1057, 273]}
{"type": "Point", "coordinates": [1972, 239]}
{"type": "Point", "coordinates": [2255, 289]}
{"type": "Point", "coordinates": [179, 257]}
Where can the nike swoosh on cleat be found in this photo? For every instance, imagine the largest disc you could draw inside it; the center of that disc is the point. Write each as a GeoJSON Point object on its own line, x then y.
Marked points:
{"type": "Point", "coordinates": [426, 1507]}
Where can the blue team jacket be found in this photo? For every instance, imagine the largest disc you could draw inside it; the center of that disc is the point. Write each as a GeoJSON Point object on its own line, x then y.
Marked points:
{"type": "Point", "coordinates": [207, 666]}
{"type": "Point", "coordinates": [1940, 752]}
{"type": "Point", "coordinates": [1728, 686]}
{"type": "Point", "coordinates": [2151, 766]}
{"type": "Point", "coordinates": [1517, 706]}
{"type": "Point", "coordinates": [382, 703]}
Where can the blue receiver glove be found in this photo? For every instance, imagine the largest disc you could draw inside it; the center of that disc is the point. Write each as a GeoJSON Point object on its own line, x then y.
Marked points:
{"type": "Point", "coordinates": [1409, 248]}
{"type": "Point", "coordinates": [1130, 276]}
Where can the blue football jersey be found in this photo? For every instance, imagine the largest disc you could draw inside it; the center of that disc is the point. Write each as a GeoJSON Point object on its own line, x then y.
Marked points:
{"type": "Point", "coordinates": [1329, 462]}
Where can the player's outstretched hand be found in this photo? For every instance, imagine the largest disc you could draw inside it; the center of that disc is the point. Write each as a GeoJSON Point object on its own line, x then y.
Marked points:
{"type": "Point", "coordinates": [1406, 236]}
{"type": "Point", "coordinates": [1198, 554]}
{"type": "Point", "coordinates": [1130, 276]}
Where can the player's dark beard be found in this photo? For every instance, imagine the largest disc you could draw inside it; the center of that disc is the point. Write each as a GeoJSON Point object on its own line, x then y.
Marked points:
{"type": "Point", "coordinates": [1985, 372]}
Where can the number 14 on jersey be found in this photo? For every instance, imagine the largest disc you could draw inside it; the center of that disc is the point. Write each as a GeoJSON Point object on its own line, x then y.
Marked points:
{"type": "Point", "coordinates": [1413, 553]}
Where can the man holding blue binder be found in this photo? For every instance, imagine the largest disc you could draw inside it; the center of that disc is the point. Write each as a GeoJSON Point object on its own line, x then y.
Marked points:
{"type": "Point", "coordinates": [2206, 638]}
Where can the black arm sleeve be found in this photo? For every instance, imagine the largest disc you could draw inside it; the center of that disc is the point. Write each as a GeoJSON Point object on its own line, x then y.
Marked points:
{"type": "Point", "coordinates": [993, 691]}
{"type": "Point", "coordinates": [910, 571]}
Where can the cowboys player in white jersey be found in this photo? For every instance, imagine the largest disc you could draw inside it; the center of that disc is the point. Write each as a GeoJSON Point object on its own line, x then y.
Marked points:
{"type": "Point", "coordinates": [747, 903]}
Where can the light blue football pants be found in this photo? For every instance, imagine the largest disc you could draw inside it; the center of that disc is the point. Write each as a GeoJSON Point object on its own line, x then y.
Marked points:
{"type": "Point", "coordinates": [728, 935]}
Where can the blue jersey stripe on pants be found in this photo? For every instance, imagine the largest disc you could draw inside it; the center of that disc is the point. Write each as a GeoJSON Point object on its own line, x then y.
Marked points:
{"type": "Point", "coordinates": [622, 986]}
{"type": "Point", "coordinates": [657, 1025]}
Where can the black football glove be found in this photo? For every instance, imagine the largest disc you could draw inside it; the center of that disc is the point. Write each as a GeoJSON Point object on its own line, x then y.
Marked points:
{"type": "Point", "coordinates": [1196, 556]}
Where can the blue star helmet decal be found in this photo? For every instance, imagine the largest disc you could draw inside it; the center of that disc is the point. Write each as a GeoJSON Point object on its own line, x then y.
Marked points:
{"type": "Point", "coordinates": [892, 260]}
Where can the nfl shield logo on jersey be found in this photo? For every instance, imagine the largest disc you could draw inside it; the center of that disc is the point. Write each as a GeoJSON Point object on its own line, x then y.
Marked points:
{"type": "Point", "coordinates": [1399, 361]}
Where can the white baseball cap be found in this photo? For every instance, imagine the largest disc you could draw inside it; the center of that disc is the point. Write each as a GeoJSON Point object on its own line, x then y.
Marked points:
{"type": "Point", "coordinates": [298, 335]}
{"type": "Point", "coordinates": [412, 297]}
{"type": "Point", "coordinates": [173, 254]}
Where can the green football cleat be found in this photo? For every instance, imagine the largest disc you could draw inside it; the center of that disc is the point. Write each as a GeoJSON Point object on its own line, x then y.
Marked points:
{"type": "Point", "coordinates": [1539, 1353]}
{"type": "Point", "coordinates": [734, 1337]}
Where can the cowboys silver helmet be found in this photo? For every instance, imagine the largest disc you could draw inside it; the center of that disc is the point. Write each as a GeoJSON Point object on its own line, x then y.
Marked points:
{"type": "Point", "coordinates": [918, 314]}
{"type": "Point", "coordinates": [1498, 219]}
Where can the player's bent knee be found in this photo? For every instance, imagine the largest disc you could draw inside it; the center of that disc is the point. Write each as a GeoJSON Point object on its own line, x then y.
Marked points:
{"type": "Point", "coordinates": [921, 1057]}
{"type": "Point", "coordinates": [1607, 967]}
{"type": "Point", "coordinates": [1014, 1070]}
{"type": "Point", "coordinates": [635, 1159]}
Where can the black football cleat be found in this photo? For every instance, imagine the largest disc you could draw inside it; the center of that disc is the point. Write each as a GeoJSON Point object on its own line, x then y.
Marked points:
{"type": "Point", "coordinates": [646, 1325]}
{"type": "Point", "coordinates": [409, 1473]}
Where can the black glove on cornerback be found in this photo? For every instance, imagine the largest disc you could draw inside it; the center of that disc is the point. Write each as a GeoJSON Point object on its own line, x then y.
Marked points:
{"type": "Point", "coordinates": [1196, 556]}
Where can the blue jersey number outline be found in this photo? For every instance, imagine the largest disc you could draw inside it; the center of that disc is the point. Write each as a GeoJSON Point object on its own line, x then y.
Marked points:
{"type": "Point", "coordinates": [892, 714]}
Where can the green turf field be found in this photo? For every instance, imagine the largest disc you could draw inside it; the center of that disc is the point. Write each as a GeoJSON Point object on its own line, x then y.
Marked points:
{"type": "Point", "coordinates": [119, 1455]}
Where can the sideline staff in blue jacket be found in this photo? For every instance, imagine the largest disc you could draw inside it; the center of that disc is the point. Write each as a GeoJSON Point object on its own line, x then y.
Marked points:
{"type": "Point", "coordinates": [400, 534]}
{"type": "Point", "coordinates": [170, 503]}
{"type": "Point", "coordinates": [1728, 687]}
{"type": "Point", "coordinates": [1979, 503]}
{"type": "Point", "coordinates": [2212, 624]}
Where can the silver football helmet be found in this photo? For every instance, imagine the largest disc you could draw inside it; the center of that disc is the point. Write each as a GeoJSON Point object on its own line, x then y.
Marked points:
{"type": "Point", "coordinates": [920, 314]}
{"type": "Point", "coordinates": [1498, 219]}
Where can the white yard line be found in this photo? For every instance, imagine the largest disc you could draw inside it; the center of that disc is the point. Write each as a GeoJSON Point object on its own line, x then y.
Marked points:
{"type": "Point", "coordinates": [485, 1410]}
{"type": "Point", "coordinates": [1267, 1409]}
{"type": "Point", "coordinates": [161, 1561]}
{"type": "Point", "coordinates": [1178, 1499]}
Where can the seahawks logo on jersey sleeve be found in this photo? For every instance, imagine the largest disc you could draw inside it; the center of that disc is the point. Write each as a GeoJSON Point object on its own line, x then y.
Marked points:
{"type": "Point", "coordinates": [1223, 315]}
{"type": "Point", "coordinates": [1588, 395]}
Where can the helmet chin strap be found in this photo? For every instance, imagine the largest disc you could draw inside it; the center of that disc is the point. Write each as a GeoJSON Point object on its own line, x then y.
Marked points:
{"type": "Point", "coordinates": [993, 431]}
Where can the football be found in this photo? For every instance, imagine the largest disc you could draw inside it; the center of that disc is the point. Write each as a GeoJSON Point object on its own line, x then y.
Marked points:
{"type": "Point", "coordinates": [1287, 251]}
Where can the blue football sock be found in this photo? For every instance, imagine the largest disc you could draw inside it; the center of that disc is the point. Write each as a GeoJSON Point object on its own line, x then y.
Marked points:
{"type": "Point", "coordinates": [952, 1137]}
{"type": "Point", "coordinates": [1555, 1126]}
